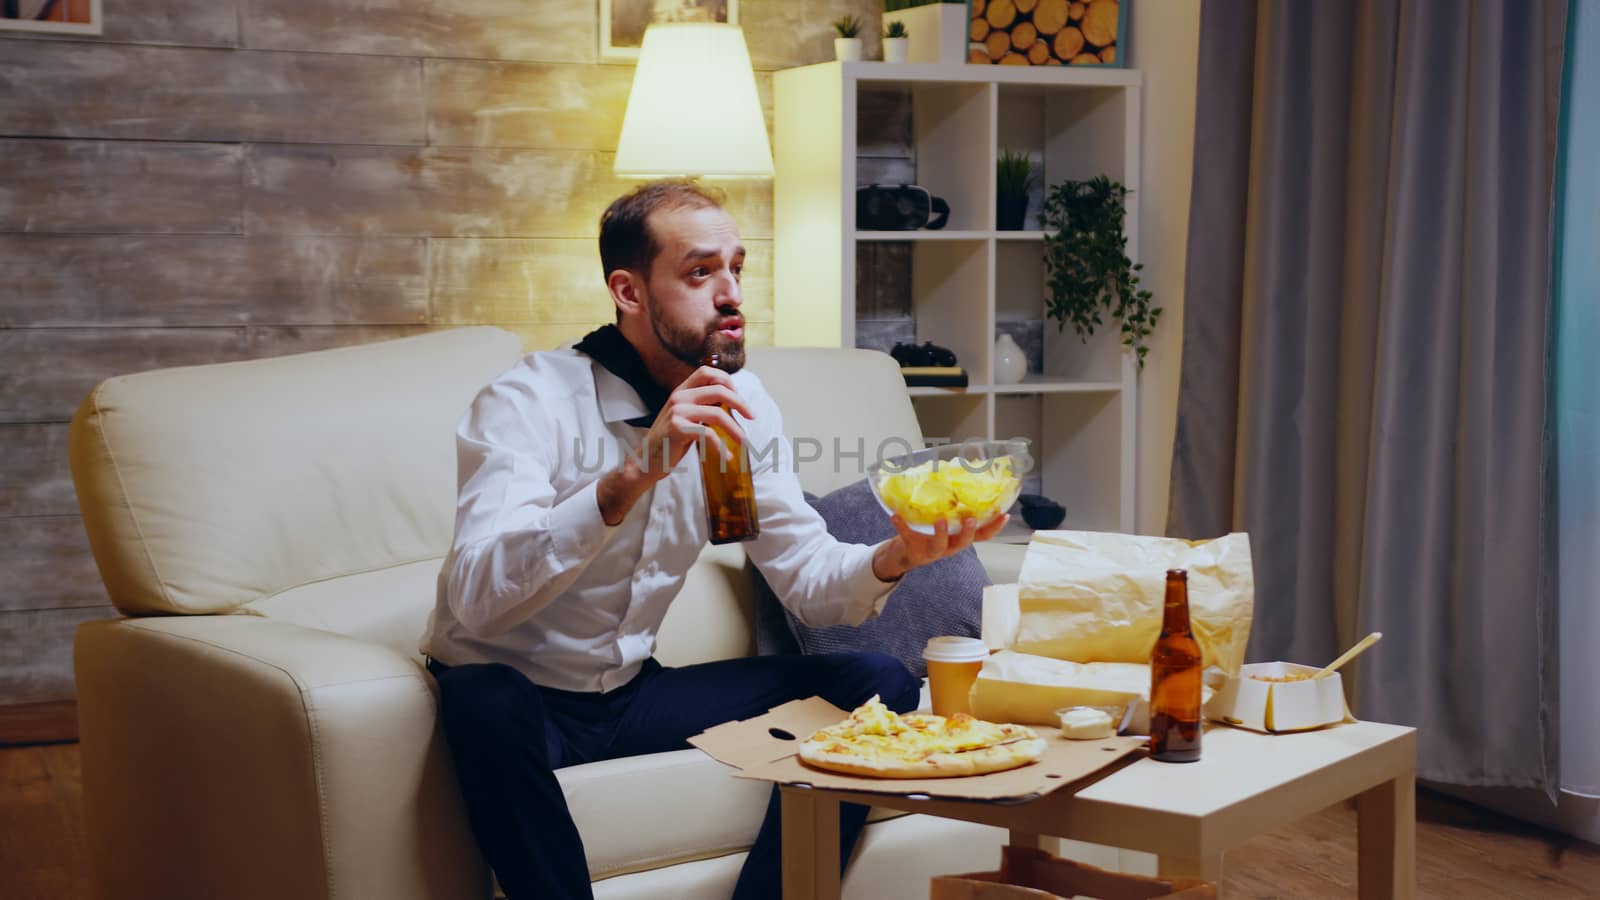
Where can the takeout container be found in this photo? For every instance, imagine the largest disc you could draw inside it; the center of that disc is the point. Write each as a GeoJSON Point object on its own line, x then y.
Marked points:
{"type": "Point", "coordinates": [1277, 707]}
{"type": "Point", "coordinates": [1119, 716]}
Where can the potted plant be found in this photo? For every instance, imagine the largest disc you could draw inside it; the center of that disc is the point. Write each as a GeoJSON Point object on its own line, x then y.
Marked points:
{"type": "Point", "coordinates": [895, 44]}
{"type": "Point", "coordinates": [1085, 254]}
{"type": "Point", "coordinates": [1014, 178]}
{"type": "Point", "coordinates": [847, 46]}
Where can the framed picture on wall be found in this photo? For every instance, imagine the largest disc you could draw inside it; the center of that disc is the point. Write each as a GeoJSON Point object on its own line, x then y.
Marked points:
{"type": "Point", "coordinates": [57, 16]}
{"type": "Point", "coordinates": [622, 22]}
{"type": "Point", "coordinates": [1048, 32]}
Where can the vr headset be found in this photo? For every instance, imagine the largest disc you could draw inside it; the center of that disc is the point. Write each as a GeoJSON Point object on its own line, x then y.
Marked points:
{"type": "Point", "coordinates": [903, 207]}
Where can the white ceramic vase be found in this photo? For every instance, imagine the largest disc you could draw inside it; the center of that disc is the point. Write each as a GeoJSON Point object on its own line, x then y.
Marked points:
{"type": "Point", "coordinates": [847, 49]}
{"type": "Point", "coordinates": [1010, 363]}
{"type": "Point", "coordinates": [895, 50]}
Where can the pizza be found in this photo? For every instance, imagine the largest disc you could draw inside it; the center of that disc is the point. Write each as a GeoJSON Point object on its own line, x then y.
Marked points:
{"type": "Point", "coordinates": [879, 743]}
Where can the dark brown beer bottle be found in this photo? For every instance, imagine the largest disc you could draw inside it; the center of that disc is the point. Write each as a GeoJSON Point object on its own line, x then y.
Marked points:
{"type": "Point", "coordinates": [1175, 679]}
{"type": "Point", "coordinates": [730, 495]}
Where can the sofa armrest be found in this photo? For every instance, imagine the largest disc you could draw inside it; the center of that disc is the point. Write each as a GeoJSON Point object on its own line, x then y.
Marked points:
{"type": "Point", "coordinates": [1003, 562]}
{"type": "Point", "coordinates": [236, 756]}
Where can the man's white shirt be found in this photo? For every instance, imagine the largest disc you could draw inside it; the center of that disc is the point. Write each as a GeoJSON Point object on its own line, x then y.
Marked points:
{"type": "Point", "coordinates": [535, 579]}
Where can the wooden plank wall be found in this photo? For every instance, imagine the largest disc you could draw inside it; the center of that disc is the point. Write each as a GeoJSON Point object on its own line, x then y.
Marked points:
{"type": "Point", "coordinates": [214, 180]}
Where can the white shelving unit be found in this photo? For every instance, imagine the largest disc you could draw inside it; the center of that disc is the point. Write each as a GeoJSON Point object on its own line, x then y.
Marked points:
{"type": "Point", "coordinates": [1081, 410]}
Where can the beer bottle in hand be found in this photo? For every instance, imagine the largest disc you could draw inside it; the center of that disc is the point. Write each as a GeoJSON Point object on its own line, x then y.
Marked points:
{"type": "Point", "coordinates": [730, 495]}
{"type": "Point", "coordinates": [1175, 679]}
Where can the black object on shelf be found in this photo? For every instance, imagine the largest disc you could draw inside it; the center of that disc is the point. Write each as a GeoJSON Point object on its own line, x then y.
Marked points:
{"type": "Point", "coordinates": [1040, 512]}
{"type": "Point", "coordinates": [926, 354]}
{"type": "Point", "coordinates": [934, 376]}
{"type": "Point", "coordinates": [928, 365]}
{"type": "Point", "coordinates": [903, 207]}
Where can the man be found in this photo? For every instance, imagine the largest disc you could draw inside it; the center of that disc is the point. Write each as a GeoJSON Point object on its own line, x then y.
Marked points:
{"type": "Point", "coordinates": [577, 521]}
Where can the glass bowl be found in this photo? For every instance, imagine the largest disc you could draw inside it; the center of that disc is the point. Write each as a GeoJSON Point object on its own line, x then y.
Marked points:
{"type": "Point", "coordinates": [973, 479]}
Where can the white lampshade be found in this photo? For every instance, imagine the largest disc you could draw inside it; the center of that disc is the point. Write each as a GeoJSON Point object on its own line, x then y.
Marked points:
{"type": "Point", "coordinates": [693, 109]}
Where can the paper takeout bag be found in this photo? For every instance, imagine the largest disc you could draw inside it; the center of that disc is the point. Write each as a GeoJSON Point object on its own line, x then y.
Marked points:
{"type": "Point", "coordinates": [1021, 687]}
{"type": "Point", "coordinates": [1029, 689]}
{"type": "Point", "coordinates": [1090, 596]}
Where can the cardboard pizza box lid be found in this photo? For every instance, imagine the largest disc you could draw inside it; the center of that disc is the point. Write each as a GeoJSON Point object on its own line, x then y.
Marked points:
{"type": "Point", "coordinates": [763, 748]}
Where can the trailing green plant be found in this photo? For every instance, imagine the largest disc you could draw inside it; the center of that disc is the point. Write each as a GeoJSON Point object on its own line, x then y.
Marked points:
{"type": "Point", "coordinates": [1085, 253]}
{"type": "Point", "coordinates": [895, 30]}
{"type": "Point", "coordinates": [847, 26]}
{"type": "Point", "coordinates": [1014, 174]}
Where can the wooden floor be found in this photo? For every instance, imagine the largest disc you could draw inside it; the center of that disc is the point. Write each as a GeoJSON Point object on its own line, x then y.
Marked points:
{"type": "Point", "coordinates": [41, 823]}
{"type": "Point", "coordinates": [1462, 851]}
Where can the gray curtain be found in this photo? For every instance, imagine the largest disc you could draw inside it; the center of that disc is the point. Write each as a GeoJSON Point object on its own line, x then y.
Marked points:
{"type": "Point", "coordinates": [1364, 352]}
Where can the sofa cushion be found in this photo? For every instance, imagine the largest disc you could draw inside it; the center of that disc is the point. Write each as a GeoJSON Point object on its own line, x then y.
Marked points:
{"type": "Point", "coordinates": [619, 807]}
{"type": "Point", "coordinates": [713, 616]}
{"type": "Point", "coordinates": [945, 597]}
{"type": "Point", "coordinates": [385, 606]}
{"type": "Point", "coordinates": [842, 410]}
{"type": "Point", "coordinates": [208, 487]}
{"type": "Point", "coordinates": [893, 859]}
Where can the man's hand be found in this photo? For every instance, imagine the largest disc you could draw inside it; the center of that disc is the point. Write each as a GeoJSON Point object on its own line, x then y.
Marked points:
{"type": "Point", "coordinates": [909, 549]}
{"type": "Point", "coordinates": [702, 401]}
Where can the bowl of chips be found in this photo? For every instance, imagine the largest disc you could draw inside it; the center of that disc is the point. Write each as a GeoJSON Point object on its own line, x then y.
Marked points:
{"type": "Point", "coordinates": [976, 480]}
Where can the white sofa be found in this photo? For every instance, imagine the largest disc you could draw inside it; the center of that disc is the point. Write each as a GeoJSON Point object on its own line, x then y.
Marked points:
{"type": "Point", "coordinates": [261, 726]}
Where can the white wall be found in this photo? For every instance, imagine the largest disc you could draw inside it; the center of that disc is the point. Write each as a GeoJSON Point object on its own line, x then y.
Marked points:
{"type": "Point", "coordinates": [1165, 44]}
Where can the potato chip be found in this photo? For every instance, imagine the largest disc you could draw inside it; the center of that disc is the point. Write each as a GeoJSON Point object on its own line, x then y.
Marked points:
{"type": "Point", "coordinates": [950, 490]}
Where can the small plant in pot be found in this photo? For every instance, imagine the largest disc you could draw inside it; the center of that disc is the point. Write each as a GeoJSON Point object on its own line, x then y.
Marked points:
{"type": "Point", "coordinates": [1085, 253]}
{"type": "Point", "coordinates": [847, 46]}
{"type": "Point", "coordinates": [896, 44]}
{"type": "Point", "coordinates": [1014, 178]}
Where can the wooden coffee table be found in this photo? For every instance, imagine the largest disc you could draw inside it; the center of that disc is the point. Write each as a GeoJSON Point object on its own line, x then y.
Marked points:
{"type": "Point", "coordinates": [1188, 815]}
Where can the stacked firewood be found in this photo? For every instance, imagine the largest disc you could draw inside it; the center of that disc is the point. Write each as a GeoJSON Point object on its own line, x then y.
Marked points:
{"type": "Point", "coordinates": [1043, 32]}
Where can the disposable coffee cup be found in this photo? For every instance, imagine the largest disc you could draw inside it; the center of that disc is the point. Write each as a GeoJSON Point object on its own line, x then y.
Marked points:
{"type": "Point", "coordinates": [953, 664]}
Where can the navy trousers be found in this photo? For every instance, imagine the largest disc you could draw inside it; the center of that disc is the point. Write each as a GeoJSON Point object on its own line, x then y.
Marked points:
{"type": "Point", "coordinates": [508, 735]}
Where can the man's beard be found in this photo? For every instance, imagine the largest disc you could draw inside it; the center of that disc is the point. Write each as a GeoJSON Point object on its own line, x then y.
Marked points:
{"type": "Point", "coordinates": [691, 347]}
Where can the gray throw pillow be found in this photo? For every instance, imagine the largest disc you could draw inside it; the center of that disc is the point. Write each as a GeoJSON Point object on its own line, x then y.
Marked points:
{"type": "Point", "coordinates": [945, 597]}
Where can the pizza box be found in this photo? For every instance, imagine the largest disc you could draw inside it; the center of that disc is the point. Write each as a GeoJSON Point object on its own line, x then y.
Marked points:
{"type": "Point", "coordinates": [1276, 707]}
{"type": "Point", "coordinates": [764, 748]}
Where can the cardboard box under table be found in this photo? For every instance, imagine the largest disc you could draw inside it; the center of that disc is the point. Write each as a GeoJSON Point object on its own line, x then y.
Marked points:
{"type": "Point", "coordinates": [1245, 784]}
{"type": "Point", "coordinates": [1031, 874]}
